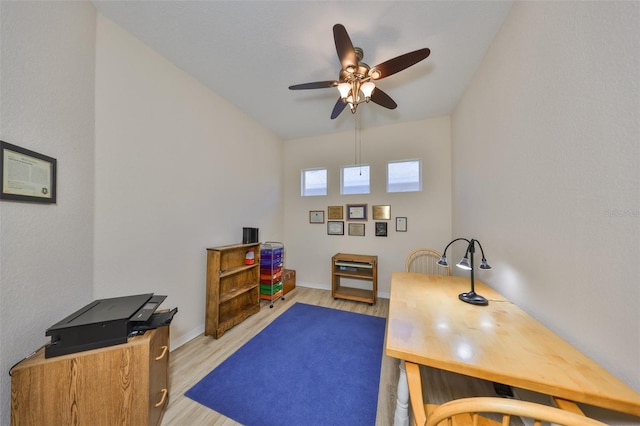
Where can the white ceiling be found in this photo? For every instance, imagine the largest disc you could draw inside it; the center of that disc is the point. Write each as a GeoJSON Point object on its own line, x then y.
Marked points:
{"type": "Point", "coordinates": [250, 52]}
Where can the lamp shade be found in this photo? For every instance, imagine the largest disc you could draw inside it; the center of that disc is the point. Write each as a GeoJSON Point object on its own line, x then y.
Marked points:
{"type": "Point", "coordinates": [484, 264]}
{"type": "Point", "coordinates": [344, 89]}
{"type": "Point", "coordinates": [464, 263]}
{"type": "Point", "coordinates": [367, 89]}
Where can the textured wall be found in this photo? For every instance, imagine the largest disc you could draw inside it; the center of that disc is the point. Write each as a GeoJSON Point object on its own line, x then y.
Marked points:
{"type": "Point", "coordinates": [47, 105]}
{"type": "Point", "coordinates": [547, 170]}
{"type": "Point", "coordinates": [178, 169]}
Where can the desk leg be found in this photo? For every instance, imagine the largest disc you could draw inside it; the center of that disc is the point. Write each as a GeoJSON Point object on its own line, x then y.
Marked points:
{"type": "Point", "coordinates": [401, 417]}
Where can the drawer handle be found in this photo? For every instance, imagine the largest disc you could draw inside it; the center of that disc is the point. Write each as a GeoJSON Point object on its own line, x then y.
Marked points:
{"type": "Point", "coordinates": [164, 396]}
{"type": "Point", "coordinates": [164, 351]}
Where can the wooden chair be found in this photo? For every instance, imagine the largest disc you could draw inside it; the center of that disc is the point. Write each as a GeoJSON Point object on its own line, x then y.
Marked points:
{"type": "Point", "coordinates": [466, 411]}
{"type": "Point", "coordinates": [424, 261]}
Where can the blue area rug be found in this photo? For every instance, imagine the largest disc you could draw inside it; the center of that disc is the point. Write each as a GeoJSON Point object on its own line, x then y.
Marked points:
{"type": "Point", "coordinates": [311, 366]}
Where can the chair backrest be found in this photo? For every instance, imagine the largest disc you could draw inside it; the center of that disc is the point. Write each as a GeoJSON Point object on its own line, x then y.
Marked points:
{"type": "Point", "coordinates": [507, 408]}
{"type": "Point", "coordinates": [424, 261]}
{"type": "Point", "coordinates": [467, 411]}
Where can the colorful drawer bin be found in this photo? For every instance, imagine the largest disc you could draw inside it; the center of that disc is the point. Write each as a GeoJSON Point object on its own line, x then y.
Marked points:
{"type": "Point", "coordinates": [270, 288]}
{"type": "Point", "coordinates": [271, 265]}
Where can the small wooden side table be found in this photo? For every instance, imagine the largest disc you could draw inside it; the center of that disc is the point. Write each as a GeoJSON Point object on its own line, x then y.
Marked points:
{"type": "Point", "coordinates": [357, 267]}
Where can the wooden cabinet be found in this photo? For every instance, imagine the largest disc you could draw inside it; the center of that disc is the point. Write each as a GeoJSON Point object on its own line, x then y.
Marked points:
{"type": "Point", "coordinates": [233, 286]}
{"type": "Point", "coordinates": [126, 384]}
{"type": "Point", "coordinates": [361, 269]}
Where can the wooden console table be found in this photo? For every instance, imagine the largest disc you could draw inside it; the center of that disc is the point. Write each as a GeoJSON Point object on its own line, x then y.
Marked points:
{"type": "Point", "coordinates": [429, 325]}
{"type": "Point", "coordinates": [121, 384]}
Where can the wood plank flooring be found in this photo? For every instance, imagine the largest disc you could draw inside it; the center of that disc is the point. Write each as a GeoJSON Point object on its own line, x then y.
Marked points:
{"type": "Point", "coordinates": [195, 359]}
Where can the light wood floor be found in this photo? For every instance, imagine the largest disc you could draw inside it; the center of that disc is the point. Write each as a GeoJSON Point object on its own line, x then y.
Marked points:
{"type": "Point", "coordinates": [195, 359]}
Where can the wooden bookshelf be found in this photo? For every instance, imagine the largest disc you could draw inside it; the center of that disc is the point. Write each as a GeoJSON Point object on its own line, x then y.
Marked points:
{"type": "Point", "coordinates": [232, 287]}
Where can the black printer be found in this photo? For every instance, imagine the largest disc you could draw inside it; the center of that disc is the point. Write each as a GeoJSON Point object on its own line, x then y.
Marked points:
{"type": "Point", "coordinates": [103, 322]}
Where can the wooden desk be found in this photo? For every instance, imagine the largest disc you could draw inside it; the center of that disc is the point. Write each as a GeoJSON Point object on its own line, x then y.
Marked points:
{"type": "Point", "coordinates": [429, 325]}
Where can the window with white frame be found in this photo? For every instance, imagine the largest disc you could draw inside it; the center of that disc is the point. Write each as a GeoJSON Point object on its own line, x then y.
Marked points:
{"type": "Point", "coordinates": [313, 182]}
{"type": "Point", "coordinates": [404, 176]}
{"type": "Point", "coordinates": [355, 180]}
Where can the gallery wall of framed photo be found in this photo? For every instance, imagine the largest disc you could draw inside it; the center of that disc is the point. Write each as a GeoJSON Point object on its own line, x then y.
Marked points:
{"type": "Point", "coordinates": [355, 218]}
{"type": "Point", "coordinates": [382, 216]}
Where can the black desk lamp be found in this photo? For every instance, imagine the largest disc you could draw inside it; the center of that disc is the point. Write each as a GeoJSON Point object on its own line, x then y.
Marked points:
{"type": "Point", "coordinates": [470, 297]}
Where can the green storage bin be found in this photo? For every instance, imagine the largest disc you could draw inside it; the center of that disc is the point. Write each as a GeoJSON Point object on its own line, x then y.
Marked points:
{"type": "Point", "coordinates": [271, 288]}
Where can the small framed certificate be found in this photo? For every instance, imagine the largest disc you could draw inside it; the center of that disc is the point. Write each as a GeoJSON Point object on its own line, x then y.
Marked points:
{"type": "Point", "coordinates": [26, 175]}
{"type": "Point", "coordinates": [356, 229]}
{"type": "Point", "coordinates": [356, 211]}
{"type": "Point", "coordinates": [335, 227]}
{"type": "Point", "coordinates": [334, 212]}
{"type": "Point", "coordinates": [316, 216]}
{"type": "Point", "coordinates": [401, 224]}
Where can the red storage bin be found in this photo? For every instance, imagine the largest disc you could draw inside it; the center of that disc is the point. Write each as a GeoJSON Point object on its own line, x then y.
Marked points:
{"type": "Point", "coordinates": [268, 278]}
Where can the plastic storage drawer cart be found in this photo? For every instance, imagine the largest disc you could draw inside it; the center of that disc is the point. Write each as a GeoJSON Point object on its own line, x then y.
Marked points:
{"type": "Point", "coordinates": [271, 266]}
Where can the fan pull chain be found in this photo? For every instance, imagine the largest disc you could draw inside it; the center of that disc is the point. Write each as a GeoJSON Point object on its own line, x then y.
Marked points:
{"type": "Point", "coordinates": [355, 139]}
{"type": "Point", "coordinates": [358, 142]}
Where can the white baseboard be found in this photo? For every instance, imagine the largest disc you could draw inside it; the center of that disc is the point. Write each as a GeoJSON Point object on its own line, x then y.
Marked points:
{"type": "Point", "coordinates": [383, 295]}
{"type": "Point", "coordinates": [181, 340]}
{"type": "Point", "coordinates": [314, 285]}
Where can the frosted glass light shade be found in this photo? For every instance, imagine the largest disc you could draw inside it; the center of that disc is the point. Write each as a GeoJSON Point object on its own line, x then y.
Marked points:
{"type": "Point", "coordinates": [344, 89]}
{"type": "Point", "coordinates": [367, 89]}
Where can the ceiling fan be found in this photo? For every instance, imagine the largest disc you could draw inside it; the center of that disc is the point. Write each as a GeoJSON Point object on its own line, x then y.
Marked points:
{"type": "Point", "coordinates": [356, 79]}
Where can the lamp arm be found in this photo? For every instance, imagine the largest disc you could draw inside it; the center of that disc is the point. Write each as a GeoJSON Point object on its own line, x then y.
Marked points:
{"type": "Point", "coordinates": [471, 248]}
{"type": "Point", "coordinates": [481, 250]}
{"type": "Point", "coordinates": [457, 239]}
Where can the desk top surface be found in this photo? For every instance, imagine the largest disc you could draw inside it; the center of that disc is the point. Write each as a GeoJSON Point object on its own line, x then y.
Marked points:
{"type": "Point", "coordinates": [429, 325]}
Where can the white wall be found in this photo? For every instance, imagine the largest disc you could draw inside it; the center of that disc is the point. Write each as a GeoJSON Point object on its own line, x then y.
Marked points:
{"type": "Point", "coordinates": [47, 105]}
{"type": "Point", "coordinates": [178, 169]}
{"type": "Point", "coordinates": [309, 249]}
{"type": "Point", "coordinates": [547, 170]}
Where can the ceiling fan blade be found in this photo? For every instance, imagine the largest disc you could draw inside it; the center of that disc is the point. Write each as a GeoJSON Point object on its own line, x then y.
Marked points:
{"type": "Point", "coordinates": [344, 47]}
{"type": "Point", "coordinates": [314, 85]}
{"type": "Point", "coordinates": [381, 98]}
{"type": "Point", "coordinates": [338, 108]}
{"type": "Point", "coordinates": [398, 63]}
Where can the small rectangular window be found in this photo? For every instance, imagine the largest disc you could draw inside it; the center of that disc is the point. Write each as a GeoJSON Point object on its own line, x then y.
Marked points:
{"type": "Point", "coordinates": [314, 182]}
{"type": "Point", "coordinates": [355, 180]}
{"type": "Point", "coordinates": [404, 176]}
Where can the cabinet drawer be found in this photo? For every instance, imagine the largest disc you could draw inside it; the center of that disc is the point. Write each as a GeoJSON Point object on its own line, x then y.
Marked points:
{"type": "Point", "coordinates": [158, 374]}
{"type": "Point", "coordinates": [121, 384]}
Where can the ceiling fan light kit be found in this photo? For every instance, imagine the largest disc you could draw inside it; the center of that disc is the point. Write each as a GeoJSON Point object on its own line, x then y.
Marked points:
{"type": "Point", "coordinates": [355, 81]}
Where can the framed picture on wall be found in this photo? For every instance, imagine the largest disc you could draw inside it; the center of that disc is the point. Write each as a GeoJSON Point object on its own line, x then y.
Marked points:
{"type": "Point", "coordinates": [335, 227]}
{"type": "Point", "coordinates": [26, 175]}
{"type": "Point", "coordinates": [401, 224]}
{"type": "Point", "coordinates": [356, 212]}
{"type": "Point", "coordinates": [356, 229]}
{"type": "Point", "coordinates": [381, 212]}
{"type": "Point", "coordinates": [381, 229]}
{"type": "Point", "coordinates": [334, 212]}
{"type": "Point", "coordinates": [316, 216]}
